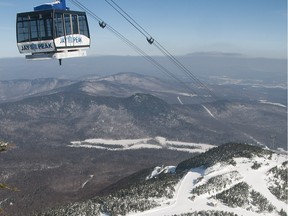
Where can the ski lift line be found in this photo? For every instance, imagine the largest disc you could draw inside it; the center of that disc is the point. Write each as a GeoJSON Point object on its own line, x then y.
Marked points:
{"type": "Point", "coordinates": [134, 47]}
{"type": "Point", "coordinates": [84, 8]}
{"type": "Point", "coordinates": [138, 50]}
{"type": "Point", "coordinates": [151, 60]}
{"type": "Point", "coordinates": [151, 40]}
{"type": "Point", "coordinates": [125, 16]}
{"type": "Point", "coordinates": [182, 67]}
{"type": "Point", "coordinates": [147, 57]}
{"type": "Point", "coordinates": [110, 28]}
{"type": "Point", "coordinates": [130, 20]}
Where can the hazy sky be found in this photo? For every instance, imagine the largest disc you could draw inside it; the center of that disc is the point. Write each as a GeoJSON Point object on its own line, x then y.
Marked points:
{"type": "Point", "coordinates": [256, 28]}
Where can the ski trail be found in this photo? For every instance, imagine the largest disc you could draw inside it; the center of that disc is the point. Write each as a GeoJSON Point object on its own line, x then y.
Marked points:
{"type": "Point", "coordinates": [90, 178]}
{"type": "Point", "coordinates": [181, 202]}
{"type": "Point", "coordinates": [209, 112]}
{"type": "Point", "coordinates": [180, 100]}
{"type": "Point", "coordinates": [252, 138]}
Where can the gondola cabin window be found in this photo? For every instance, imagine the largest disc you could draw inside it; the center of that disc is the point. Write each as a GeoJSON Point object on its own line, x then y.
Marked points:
{"type": "Point", "coordinates": [34, 28]}
{"type": "Point", "coordinates": [83, 25]}
{"type": "Point", "coordinates": [68, 27]}
{"type": "Point", "coordinates": [58, 23]}
{"type": "Point", "coordinates": [23, 29]}
{"type": "Point", "coordinates": [75, 24]}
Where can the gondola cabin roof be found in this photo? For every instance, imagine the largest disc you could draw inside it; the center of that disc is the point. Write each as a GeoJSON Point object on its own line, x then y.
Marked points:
{"type": "Point", "coordinates": [57, 5]}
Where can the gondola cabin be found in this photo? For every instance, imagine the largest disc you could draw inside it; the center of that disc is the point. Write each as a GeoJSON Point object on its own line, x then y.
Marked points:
{"type": "Point", "coordinates": [52, 31]}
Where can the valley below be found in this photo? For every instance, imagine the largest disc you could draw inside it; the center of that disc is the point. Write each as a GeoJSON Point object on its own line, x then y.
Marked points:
{"type": "Point", "coordinates": [49, 177]}
{"type": "Point", "coordinates": [74, 140]}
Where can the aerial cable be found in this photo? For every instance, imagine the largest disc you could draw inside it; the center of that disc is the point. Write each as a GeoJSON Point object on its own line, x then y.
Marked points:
{"type": "Point", "coordinates": [137, 49]}
{"type": "Point", "coordinates": [151, 40]}
{"type": "Point", "coordinates": [84, 8]}
{"type": "Point", "coordinates": [132, 21]}
{"type": "Point", "coordinates": [164, 51]}
{"type": "Point", "coordinates": [135, 26]}
{"type": "Point", "coordinates": [182, 67]}
{"type": "Point", "coordinates": [132, 45]}
{"type": "Point", "coordinates": [130, 18]}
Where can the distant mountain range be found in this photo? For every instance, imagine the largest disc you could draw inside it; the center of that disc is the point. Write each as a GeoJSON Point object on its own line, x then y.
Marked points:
{"type": "Point", "coordinates": [118, 85]}
{"type": "Point", "coordinates": [13, 90]}
{"type": "Point", "coordinates": [128, 105]}
{"type": "Point", "coordinates": [233, 179]}
{"type": "Point", "coordinates": [126, 84]}
{"type": "Point", "coordinates": [78, 115]}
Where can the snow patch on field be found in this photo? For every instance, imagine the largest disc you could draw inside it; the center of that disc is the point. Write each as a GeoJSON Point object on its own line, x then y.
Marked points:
{"type": "Point", "coordinates": [145, 143]}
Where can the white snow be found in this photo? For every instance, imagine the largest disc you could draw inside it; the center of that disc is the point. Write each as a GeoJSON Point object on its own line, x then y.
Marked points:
{"type": "Point", "coordinates": [181, 202]}
{"type": "Point", "coordinates": [255, 178]}
{"type": "Point", "coordinates": [145, 143]}
{"type": "Point", "coordinates": [209, 112]}
{"type": "Point", "coordinates": [186, 94]}
{"type": "Point", "coordinates": [158, 170]}
{"type": "Point", "coordinates": [52, 3]}
{"type": "Point", "coordinates": [180, 100]}
{"type": "Point", "coordinates": [88, 180]}
{"type": "Point", "coordinates": [271, 103]}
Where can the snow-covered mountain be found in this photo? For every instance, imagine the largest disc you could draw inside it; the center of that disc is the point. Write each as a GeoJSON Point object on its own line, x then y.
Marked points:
{"type": "Point", "coordinates": [127, 83]}
{"type": "Point", "coordinates": [12, 90]}
{"type": "Point", "coordinates": [233, 179]}
{"type": "Point", "coordinates": [77, 116]}
{"type": "Point", "coordinates": [121, 85]}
